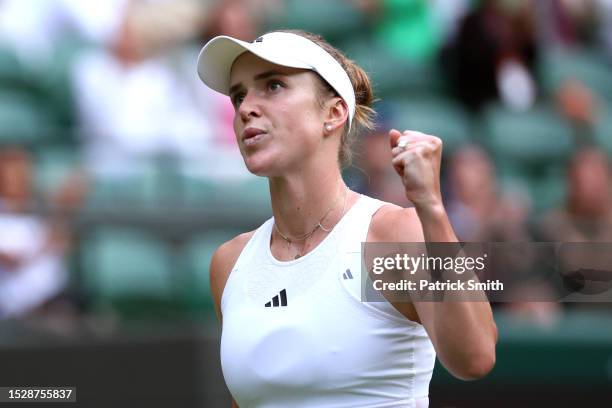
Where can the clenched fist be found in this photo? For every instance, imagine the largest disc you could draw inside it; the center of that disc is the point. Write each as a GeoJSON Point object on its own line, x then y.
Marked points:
{"type": "Point", "coordinates": [416, 158]}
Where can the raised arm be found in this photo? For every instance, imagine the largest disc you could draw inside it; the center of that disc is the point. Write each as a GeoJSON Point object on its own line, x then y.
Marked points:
{"type": "Point", "coordinates": [463, 333]}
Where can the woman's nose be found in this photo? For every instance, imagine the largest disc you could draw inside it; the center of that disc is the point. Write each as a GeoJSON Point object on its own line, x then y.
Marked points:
{"type": "Point", "coordinates": [249, 107]}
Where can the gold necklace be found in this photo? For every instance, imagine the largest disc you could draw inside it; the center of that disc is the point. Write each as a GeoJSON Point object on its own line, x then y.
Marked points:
{"type": "Point", "coordinates": [304, 237]}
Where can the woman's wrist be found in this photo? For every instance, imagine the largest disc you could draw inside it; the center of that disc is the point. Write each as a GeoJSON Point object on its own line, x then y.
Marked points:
{"type": "Point", "coordinates": [435, 223]}
{"type": "Point", "coordinates": [431, 207]}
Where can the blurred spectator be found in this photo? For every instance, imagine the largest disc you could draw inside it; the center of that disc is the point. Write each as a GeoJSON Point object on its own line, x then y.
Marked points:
{"type": "Point", "coordinates": [478, 210]}
{"type": "Point", "coordinates": [494, 55]}
{"type": "Point", "coordinates": [140, 98]}
{"type": "Point", "coordinates": [32, 270]}
{"type": "Point", "coordinates": [407, 28]}
{"type": "Point", "coordinates": [236, 18]}
{"type": "Point", "coordinates": [380, 179]}
{"type": "Point", "coordinates": [587, 214]}
{"type": "Point", "coordinates": [34, 28]}
{"type": "Point", "coordinates": [568, 22]}
{"type": "Point", "coordinates": [586, 217]}
{"type": "Point", "coordinates": [576, 102]}
{"type": "Point", "coordinates": [575, 23]}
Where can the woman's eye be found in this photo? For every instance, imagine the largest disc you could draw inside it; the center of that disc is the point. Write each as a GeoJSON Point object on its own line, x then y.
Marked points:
{"type": "Point", "coordinates": [275, 85]}
{"type": "Point", "coordinates": [238, 99]}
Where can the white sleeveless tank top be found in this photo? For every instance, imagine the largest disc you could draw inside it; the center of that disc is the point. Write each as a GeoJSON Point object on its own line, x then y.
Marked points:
{"type": "Point", "coordinates": [296, 334]}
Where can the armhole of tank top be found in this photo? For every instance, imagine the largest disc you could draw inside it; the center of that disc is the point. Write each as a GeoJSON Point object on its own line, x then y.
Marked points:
{"type": "Point", "coordinates": [383, 309]}
{"type": "Point", "coordinates": [236, 268]}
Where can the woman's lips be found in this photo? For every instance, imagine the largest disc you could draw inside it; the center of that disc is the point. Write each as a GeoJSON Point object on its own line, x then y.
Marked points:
{"type": "Point", "coordinates": [250, 136]}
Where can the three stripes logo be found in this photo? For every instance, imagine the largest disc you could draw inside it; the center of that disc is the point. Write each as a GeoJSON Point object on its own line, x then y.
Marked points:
{"type": "Point", "coordinates": [278, 300]}
{"type": "Point", "coordinates": [347, 274]}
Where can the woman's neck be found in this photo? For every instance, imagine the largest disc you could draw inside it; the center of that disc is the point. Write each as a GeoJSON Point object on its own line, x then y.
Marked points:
{"type": "Point", "coordinates": [300, 201]}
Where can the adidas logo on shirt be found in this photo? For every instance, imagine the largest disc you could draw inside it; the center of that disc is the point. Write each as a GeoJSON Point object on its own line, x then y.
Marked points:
{"type": "Point", "coordinates": [276, 302]}
{"type": "Point", "coordinates": [347, 274]}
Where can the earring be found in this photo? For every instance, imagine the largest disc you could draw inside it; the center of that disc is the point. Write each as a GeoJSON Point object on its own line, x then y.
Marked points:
{"type": "Point", "coordinates": [328, 127]}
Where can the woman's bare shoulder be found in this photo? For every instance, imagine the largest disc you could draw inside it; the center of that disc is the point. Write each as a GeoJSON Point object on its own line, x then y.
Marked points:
{"type": "Point", "coordinates": [230, 250]}
{"type": "Point", "coordinates": [221, 264]}
{"type": "Point", "coordinates": [392, 223]}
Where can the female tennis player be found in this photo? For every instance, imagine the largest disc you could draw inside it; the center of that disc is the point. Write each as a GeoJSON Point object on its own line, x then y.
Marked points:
{"type": "Point", "coordinates": [294, 331]}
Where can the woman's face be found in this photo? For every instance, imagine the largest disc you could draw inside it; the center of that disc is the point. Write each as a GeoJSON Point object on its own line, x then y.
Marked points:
{"type": "Point", "coordinates": [278, 120]}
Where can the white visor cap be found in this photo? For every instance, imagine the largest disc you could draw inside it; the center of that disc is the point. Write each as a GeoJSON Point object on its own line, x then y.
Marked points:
{"type": "Point", "coordinates": [290, 50]}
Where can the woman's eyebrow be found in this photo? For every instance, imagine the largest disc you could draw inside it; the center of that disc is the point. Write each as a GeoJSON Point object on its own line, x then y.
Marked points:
{"type": "Point", "coordinates": [266, 75]}
{"type": "Point", "coordinates": [258, 77]}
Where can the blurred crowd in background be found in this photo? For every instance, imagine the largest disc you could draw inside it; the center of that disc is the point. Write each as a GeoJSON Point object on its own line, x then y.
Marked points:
{"type": "Point", "coordinates": [119, 171]}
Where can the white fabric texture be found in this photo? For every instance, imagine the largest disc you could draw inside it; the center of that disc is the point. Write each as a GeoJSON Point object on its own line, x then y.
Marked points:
{"type": "Point", "coordinates": [324, 348]}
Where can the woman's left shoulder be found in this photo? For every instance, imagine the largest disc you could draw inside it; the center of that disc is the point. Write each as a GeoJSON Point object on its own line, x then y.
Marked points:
{"type": "Point", "coordinates": [392, 223]}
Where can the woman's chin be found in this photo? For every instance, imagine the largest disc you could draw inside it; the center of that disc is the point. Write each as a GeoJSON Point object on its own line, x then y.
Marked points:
{"type": "Point", "coordinates": [258, 167]}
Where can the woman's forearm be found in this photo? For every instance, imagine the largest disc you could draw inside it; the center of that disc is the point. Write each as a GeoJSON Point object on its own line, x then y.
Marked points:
{"type": "Point", "coordinates": [463, 332]}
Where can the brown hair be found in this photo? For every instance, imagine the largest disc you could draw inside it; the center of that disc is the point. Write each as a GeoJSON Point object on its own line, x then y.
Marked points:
{"type": "Point", "coordinates": [364, 95]}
